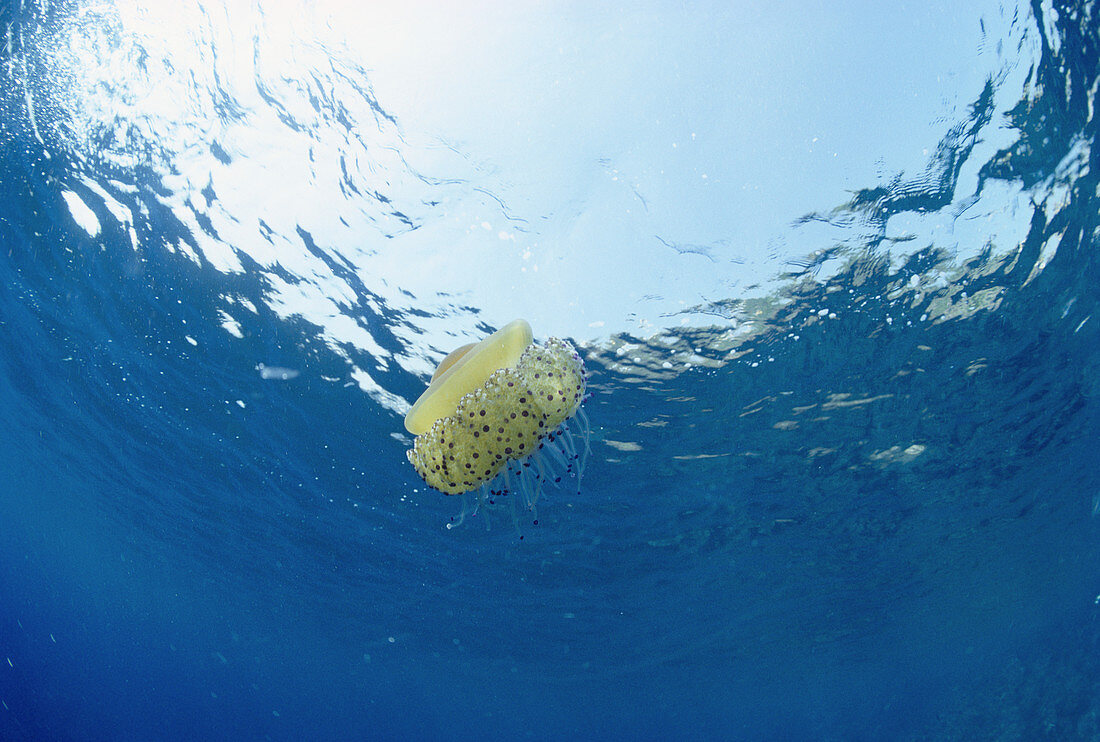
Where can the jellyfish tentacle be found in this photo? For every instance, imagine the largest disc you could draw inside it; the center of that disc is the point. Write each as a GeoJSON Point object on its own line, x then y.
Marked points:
{"type": "Point", "coordinates": [529, 484]}
{"type": "Point", "coordinates": [467, 509]}
{"type": "Point", "coordinates": [541, 475]}
{"type": "Point", "coordinates": [579, 455]}
{"type": "Point", "coordinates": [586, 433]}
{"type": "Point", "coordinates": [556, 457]}
{"type": "Point", "coordinates": [567, 440]}
{"type": "Point", "coordinates": [484, 500]}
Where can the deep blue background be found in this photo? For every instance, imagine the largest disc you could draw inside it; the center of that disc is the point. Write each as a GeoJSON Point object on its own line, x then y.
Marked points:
{"type": "Point", "coordinates": [767, 562]}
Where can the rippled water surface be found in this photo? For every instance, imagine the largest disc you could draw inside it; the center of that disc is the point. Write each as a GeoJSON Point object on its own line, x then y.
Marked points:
{"type": "Point", "coordinates": [833, 273]}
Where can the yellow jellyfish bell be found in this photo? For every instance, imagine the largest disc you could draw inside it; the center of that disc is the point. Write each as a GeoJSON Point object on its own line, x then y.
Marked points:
{"type": "Point", "coordinates": [466, 369]}
{"type": "Point", "coordinates": [504, 408]}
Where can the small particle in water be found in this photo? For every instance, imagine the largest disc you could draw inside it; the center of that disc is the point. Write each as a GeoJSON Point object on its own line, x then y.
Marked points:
{"type": "Point", "coordinates": [279, 373]}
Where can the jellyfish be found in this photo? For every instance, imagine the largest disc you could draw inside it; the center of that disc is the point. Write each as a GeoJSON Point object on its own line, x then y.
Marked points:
{"type": "Point", "coordinates": [501, 420]}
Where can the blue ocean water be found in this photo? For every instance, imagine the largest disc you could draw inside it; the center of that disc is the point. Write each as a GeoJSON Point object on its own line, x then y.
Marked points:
{"type": "Point", "coordinates": [845, 389]}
